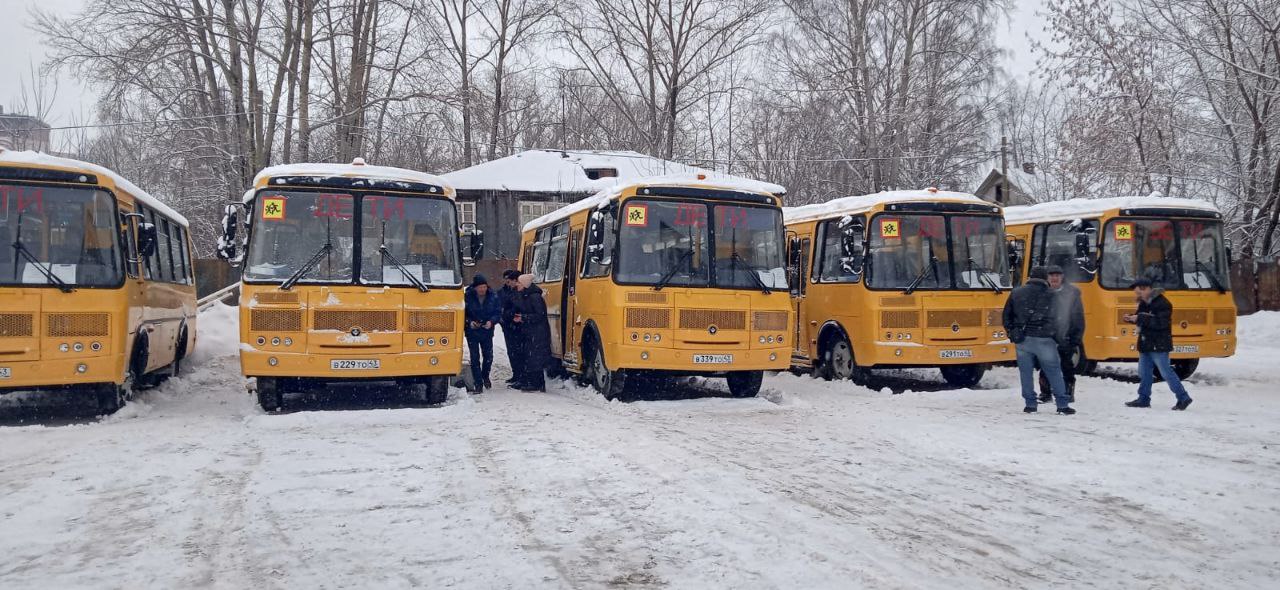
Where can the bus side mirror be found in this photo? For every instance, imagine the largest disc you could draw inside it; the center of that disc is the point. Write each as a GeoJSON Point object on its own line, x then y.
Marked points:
{"type": "Point", "coordinates": [597, 253]}
{"type": "Point", "coordinates": [146, 239]}
{"type": "Point", "coordinates": [475, 243]}
{"type": "Point", "coordinates": [1084, 250]}
{"type": "Point", "coordinates": [1015, 257]}
{"type": "Point", "coordinates": [793, 263]}
{"type": "Point", "coordinates": [854, 248]}
{"type": "Point", "coordinates": [227, 243]}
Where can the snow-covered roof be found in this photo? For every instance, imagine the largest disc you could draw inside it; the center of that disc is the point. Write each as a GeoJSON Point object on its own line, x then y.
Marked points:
{"type": "Point", "coordinates": [1088, 208]}
{"type": "Point", "coordinates": [708, 180]}
{"type": "Point", "coordinates": [557, 171]}
{"type": "Point", "coordinates": [16, 158]}
{"type": "Point", "coordinates": [356, 169]}
{"type": "Point", "coordinates": [858, 203]}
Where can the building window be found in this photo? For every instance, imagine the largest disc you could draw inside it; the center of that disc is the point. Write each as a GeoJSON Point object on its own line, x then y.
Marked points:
{"type": "Point", "coordinates": [466, 212]}
{"type": "Point", "coordinates": [598, 173]}
{"type": "Point", "coordinates": [531, 210]}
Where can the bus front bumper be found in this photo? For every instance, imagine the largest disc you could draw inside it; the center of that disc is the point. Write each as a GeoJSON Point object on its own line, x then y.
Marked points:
{"type": "Point", "coordinates": [340, 366]}
{"type": "Point", "coordinates": [57, 373]}
{"type": "Point", "coordinates": [1126, 349]}
{"type": "Point", "coordinates": [907, 354]}
{"type": "Point", "coordinates": [685, 361]}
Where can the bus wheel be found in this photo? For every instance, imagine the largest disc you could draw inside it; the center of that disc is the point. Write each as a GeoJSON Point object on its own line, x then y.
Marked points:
{"type": "Point", "coordinates": [1185, 368]}
{"type": "Point", "coordinates": [437, 390]}
{"type": "Point", "coordinates": [180, 351]}
{"type": "Point", "coordinates": [963, 375]}
{"type": "Point", "coordinates": [111, 397]}
{"type": "Point", "coordinates": [1083, 366]}
{"type": "Point", "coordinates": [837, 360]}
{"type": "Point", "coordinates": [611, 384]}
{"type": "Point", "coordinates": [745, 383]}
{"type": "Point", "coordinates": [270, 397]}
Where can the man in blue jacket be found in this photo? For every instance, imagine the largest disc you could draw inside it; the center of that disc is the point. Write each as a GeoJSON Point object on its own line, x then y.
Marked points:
{"type": "Point", "coordinates": [482, 312]}
{"type": "Point", "coordinates": [1030, 319]}
{"type": "Point", "coordinates": [1155, 341]}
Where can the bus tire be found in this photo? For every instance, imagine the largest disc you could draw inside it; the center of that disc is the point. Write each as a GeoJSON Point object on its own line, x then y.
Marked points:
{"type": "Point", "coordinates": [110, 398]}
{"type": "Point", "coordinates": [963, 375]}
{"type": "Point", "coordinates": [180, 350]}
{"type": "Point", "coordinates": [838, 363]}
{"type": "Point", "coordinates": [437, 390]}
{"type": "Point", "coordinates": [1185, 368]}
{"type": "Point", "coordinates": [270, 397]}
{"type": "Point", "coordinates": [745, 383]}
{"type": "Point", "coordinates": [611, 384]}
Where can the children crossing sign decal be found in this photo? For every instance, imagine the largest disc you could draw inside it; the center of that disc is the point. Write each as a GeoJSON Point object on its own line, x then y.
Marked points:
{"type": "Point", "coordinates": [273, 208]}
{"type": "Point", "coordinates": [637, 215]}
{"type": "Point", "coordinates": [1124, 231]}
{"type": "Point", "coordinates": [890, 228]}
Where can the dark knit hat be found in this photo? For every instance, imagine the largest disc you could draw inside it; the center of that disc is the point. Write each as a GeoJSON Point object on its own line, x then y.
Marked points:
{"type": "Point", "coordinates": [479, 280]}
{"type": "Point", "coordinates": [1039, 272]}
{"type": "Point", "coordinates": [510, 274]}
{"type": "Point", "coordinates": [1053, 269]}
{"type": "Point", "coordinates": [1143, 282]}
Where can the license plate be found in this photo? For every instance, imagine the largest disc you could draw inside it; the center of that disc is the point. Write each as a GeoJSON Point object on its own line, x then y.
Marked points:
{"type": "Point", "coordinates": [712, 359]}
{"type": "Point", "coordinates": [355, 365]}
{"type": "Point", "coordinates": [1186, 348]}
{"type": "Point", "coordinates": [955, 354]}
{"type": "Point", "coordinates": [5, 373]}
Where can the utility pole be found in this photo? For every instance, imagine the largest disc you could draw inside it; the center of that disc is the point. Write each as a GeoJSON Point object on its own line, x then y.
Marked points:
{"type": "Point", "coordinates": [1004, 171]}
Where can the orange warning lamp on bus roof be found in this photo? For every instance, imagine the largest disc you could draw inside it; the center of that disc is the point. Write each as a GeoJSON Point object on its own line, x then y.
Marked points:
{"type": "Point", "coordinates": [932, 189]}
{"type": "Point", "coordinates": [702, 177]}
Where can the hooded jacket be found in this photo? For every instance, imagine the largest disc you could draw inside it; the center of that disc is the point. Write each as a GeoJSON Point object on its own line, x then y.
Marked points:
{"type": "Point", "coordinates": [1155, 323]}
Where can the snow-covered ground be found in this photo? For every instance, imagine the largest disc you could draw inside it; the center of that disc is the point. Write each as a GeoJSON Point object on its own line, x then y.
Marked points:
{"type": "Point", "coordinates": [812, 485]}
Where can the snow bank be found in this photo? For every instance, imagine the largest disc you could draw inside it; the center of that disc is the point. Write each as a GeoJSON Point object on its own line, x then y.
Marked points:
{"type": "Point", "coordinates": [67, 164]}
{"type": "Point", "coordinates": [218, 333]}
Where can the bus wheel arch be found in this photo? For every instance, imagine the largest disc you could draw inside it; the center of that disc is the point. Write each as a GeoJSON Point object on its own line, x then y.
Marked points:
{"type": "Point", "coordinates": [139, 357]}
{"type": "Point", "coordinates": [180, 347]}
{"type": "Point", "coordinates": [836, 360]}
{"type": "Point", "coordinates": [612, 384]}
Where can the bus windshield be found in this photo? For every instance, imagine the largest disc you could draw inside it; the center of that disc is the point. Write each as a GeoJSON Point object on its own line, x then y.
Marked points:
{"type": "Point", "coordinates": [418, 233]}
{"type": "Point", "coordinates": [58, 236]}
{"type": "Point", "coordinates": [920, 251]}
{"type": "Point", "coordinates": [1173, 253]}
{"type": "Point", "coordinates": [293, 229]}
{"type": "Point", "coordinates": [670, 243]}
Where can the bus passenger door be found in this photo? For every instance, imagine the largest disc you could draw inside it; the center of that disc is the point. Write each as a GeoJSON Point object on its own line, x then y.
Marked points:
{"type": "Point", "coordinates": [569, 303]}
{"type": "Point", "coordinates": [800, 261]}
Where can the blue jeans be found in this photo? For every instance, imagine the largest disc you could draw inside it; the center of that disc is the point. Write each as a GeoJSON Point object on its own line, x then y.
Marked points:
{"type": "Point", "coordinates": [480, 344]}
{"type": "Point", "coordinates": [1044, 351]}
{"type": "Point", "coordinates": [1148, 362]}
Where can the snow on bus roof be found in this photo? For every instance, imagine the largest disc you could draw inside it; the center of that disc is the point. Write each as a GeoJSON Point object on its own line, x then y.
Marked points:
{"type": "Point", "coordinates": [1085, 208]}
{"type": "Point", "coordinates": [27, 158]}
{"type": "Point", "coordinates": [356, 169]}
{"type": "Point", "coordinates": [709, 180]}
{"type": "Point", "coordinates": [856, 203]}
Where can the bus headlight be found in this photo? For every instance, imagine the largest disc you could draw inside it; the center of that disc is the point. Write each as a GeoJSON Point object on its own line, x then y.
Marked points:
{"type": "Point", "coordinates": [644, 355]}
{"type": "Point", "coordinates": [657, 337]}
{"type": "Point", "coordinates": [779, 338]}
{"type": "Point", "coordinates": [273, 361]}
{"type": "Point", "coordinates": [773, 356]}
{"type": "Point", "coordinates": [275, 341]}
{"type": "Point", "coordinates": [444, 342]}
{"type": "Point", "coordinates": [1004, 350]}
{"type": "Point", "coordinates": [96, 346]}
{"type": "Point", "coordinates": [647, 337]}
{"type": "Point", "coordinates": [63, 347]}
{"type": "Point", "coordinates": [635, 336]}
{"type": "Point", "coordinates": [431, 341]}
{"type": "Point", "coordinates": [82, 368]}
{"type": "Point", "coordinates": [761, 339]}
{"type": "Point", "coordinates": [422, 342]}
{"type": "Point", "coordinates": [897, 352]}
{"type": "Point", "coordinates": [288, 341]}
{"type": "Point", "coordinates": [434, 361]}
{"type": "Point", "coordinates": [261, 340]}
{"type": "Point", "coordinates": [771, 340]}
{"type": "Point", "coordinates": [78, 347]}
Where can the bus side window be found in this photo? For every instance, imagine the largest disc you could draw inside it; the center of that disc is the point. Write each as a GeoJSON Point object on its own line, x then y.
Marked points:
{"type": "Point", "coordinates": [541, 248]}
{"type": "Point", "coordinates": [526, 262]}
{"type": "Point", "coordinates": [163, 251]}
{"type": "Point", "coordinates": [557, 250]}
{"type": "Point", "coordinates": [832, 266]}
{"type": "Point", "coordinates": [184, 254]}
{"type": "Point", "coordinates": [148, 262]}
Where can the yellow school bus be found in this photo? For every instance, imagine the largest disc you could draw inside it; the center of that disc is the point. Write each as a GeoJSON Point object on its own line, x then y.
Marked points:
{"type": "Point", "coordinates": [666, 276]}
{"type": "Point", "coordinates": [1103, 245]}
{"type": "Point", "coordinates": [97, 291]}
{"type": "Point", "coordinates": [350, 273]}
{"type": "Point", "coordinates": [899, 279]}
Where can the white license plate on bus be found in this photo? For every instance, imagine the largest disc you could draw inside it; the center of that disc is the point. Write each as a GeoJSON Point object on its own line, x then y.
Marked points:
{"type": "Point", "coordinates": [712, 359]}
{"type": "Point", "coordinates": [355, 364]}
{"type": "Point", "coordinates": [1186, 348]}
{"type": "Point", "coordinates": [958, 353]}
{"type": "Point", "coordinates": [5, 373]}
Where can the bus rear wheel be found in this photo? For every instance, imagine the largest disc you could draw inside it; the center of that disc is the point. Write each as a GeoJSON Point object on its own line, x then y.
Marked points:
{"type": "Point", "coordinates": [745, 383]}
{"type": "Point", "coordinates": [111, 397]}
{"type": "Point", "coordinates": [270, 395]}
{"type": "Point", "coordinates": [1185, 368]}
{"type": "Point", "coordinates": [611, 384]}
{"type": "Point", "coordinates": [838, 363]}
{"type": "Point", "coordinates": [963, 375]}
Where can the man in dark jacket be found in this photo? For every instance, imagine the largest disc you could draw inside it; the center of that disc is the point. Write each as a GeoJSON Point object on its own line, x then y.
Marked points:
{"type": "Point", "coordinates": [482, 312]}
{"type": "Point", "coordinates": [531, 314]}
{"type": "Point", "coordinates": [1155, 341]}
{"type": "Point", "coordinates": [1069, 313]}
{"type": "Point", "coordinates": [1029, 320]}
{"type": "Point", "coordinates": [510, 329]}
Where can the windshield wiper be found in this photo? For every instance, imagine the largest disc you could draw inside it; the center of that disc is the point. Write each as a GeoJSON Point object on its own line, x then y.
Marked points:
{"type": "Point", "coordinates": [1213, 277]}
{"type": "Point", "coordinates": [403, 269]}
{"type": "Point", "coordinates": [21, 249]}
{"type": "Point", "coordinates": [666, 278]}
{"type": "Point", "coordinates": [933, 267]}
{"type": "Point", "coordinates": [982, 275]}
{"type": "Point", "coordinates": [736, 259]}
{"type": "Point", "coordinates": [315, 259]}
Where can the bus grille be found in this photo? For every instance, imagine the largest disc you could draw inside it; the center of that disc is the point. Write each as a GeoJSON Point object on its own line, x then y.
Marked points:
{"type": "Point", "coordinates": [343, 321]}
{"type": "Point", "coordinates": [1193, 317]}
{"type": "Point", "coordinates": [639, 317]}
{"type": "Point", "coordinates": [647, 297]}
{"type": "Point", "coordinates": [701, 319]}
{"type": "Point", "coordinates": [275, 320]}
{"type": "Point", "coordinates": [76, 324]}
{"type": "Point", "coordinates": [276, 298]}
{"type": "Point", "coordinates": [965, 318]}
{"type": "Point", "coordinates": [769, 320]}
{"type": "Point", "coordinates": [15, 325]}
{"type": "Point", "coordinates": [1224, 316]}
{"type": "Point", "coordinates": [431, 321]}
{"type": "Point", "coordinates": [899, 319]}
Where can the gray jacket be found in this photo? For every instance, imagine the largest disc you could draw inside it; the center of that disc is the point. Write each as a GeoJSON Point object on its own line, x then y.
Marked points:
{"type": "Point", "coordinates": [1069, 316]}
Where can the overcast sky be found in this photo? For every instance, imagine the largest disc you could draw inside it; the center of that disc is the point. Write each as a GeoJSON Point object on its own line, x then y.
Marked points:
{"type": "Point", "coordinates": [22, 48]}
